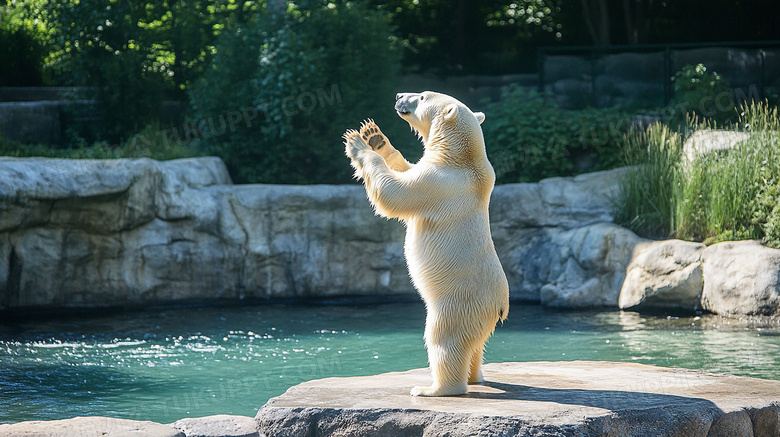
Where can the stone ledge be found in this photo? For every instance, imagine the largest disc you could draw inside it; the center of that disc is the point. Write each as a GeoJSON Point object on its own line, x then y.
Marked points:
{"type": "Point", "coordinates": [543, 398]}
{"type": "Point", "coordinates": [89, 427]}
{"type": "Point", "coordinates": [96, 426]}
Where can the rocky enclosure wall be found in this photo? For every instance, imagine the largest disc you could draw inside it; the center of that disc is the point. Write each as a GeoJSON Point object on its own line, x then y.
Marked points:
{"type": "Point", "coordinates": [135, 232]}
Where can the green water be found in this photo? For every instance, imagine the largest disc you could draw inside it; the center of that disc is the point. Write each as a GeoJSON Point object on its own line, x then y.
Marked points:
{"type": "Point", "coordinates": [164, 366]}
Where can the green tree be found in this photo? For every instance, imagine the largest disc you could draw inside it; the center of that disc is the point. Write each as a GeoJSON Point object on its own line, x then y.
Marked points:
{"type": "Point", "coordinates": [24, 43]}
{"type": "Point", "coordinates": [297, 81]}
{"type": "Point", "coordinates": [470, 36]}
{"type": "Point", "coordinates": [136, 54]}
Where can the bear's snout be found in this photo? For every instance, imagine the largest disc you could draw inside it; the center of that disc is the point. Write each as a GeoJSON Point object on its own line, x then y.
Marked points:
{"type": "Point", "coordinates": [405, 103]}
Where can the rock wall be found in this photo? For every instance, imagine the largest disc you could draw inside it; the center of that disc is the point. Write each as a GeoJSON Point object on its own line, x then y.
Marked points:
{"type": "Point", "coordinates": [137, 232]}
{"type": "Point", "coordinates": [92, 233]}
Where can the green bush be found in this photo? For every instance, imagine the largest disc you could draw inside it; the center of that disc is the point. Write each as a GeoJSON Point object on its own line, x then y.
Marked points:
{"type": "Point", "coordinates": [296, 83]}
{"type": "Point", "coordinates": [701, 94]}
{"type": "Point", "coordinates": [134, 55]}
{"type": "Point", "coordinates": [147, 143]}
{"type": "Point", "coordinates": [529, 137]}
{"type": "Point", "coordinates": [726, 195]}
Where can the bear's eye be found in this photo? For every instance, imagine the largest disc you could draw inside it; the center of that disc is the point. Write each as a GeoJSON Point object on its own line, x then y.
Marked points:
{"type": "Point", "coordinates": [422, 97]}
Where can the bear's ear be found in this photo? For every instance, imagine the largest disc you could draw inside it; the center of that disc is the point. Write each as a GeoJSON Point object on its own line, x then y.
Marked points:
{"type": "Point", "coordinates": [480, 116]}
{"type": "Point", "coordinates": [451, 112]}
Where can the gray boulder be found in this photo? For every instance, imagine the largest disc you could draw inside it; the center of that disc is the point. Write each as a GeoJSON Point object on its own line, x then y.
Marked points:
{"type": "Point", "coordinates": [664, 275]}
{"type": "Point", "coordinates": [555, 202]}
{"type": "Point", "coordinates": [89, 427]}
{"type": "Point", "coordinates": [587, 266]}
{"type": "Point", "coordinates": [218, 426]}
{"type": "Point", "coordinates": [533, 225]}
{"type": "Point", "coordinates": [707, 141]}
{"type": "Point", "coordinates": [741, 278]}
{"type": "Point", "coordinates": [543, 398]}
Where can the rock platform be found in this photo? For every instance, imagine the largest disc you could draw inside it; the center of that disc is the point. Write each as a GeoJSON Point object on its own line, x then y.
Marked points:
{"type": "Point", "coordinates": [533, 399]}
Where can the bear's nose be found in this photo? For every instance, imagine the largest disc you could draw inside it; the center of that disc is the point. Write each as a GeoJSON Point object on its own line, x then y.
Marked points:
{"type": "Point", "coordinates": [398, 96]}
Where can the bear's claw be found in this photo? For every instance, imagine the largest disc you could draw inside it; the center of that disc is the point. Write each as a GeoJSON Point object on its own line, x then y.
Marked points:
{"type": "Point", "coordinates": [354, 144]}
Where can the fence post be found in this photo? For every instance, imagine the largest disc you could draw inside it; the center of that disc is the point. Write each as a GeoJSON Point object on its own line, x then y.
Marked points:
{"type": "Point", "coordinates": [667, 75]}
{"type": "Point", "coordinates": [762, 79]}
{"type": "Point", "coordinates": [593, 78]}
{"type": "Point", "coordinates": [541, 55]}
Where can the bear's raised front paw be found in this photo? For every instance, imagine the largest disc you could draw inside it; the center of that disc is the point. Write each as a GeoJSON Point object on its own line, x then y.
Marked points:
{"type": "Point", "coordinates": [372, 135]}
{"type": "Point", "coordinates": [441, 391]}
{"type": "Point", "coordinates": [354, 144]}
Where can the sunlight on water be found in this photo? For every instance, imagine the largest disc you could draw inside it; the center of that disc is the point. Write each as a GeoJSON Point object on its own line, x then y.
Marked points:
{"type": "Point", "coordinates": [189, 363]}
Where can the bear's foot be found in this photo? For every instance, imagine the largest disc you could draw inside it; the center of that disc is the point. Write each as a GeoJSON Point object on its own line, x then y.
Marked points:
{"type": "Point", "coordinates": [439, 391]}
{"type": "Point", "coordinates": [477, 379]}
{"type": "Point", "coordinates": [373, 136]}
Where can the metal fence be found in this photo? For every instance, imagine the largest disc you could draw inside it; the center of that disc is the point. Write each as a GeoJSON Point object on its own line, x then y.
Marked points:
{"type": "Point", "coordinates": [640, 75]}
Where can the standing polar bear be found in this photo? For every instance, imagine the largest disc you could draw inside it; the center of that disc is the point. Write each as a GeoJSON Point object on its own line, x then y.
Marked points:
{"type": "Point", "coordinates": [443, 200]}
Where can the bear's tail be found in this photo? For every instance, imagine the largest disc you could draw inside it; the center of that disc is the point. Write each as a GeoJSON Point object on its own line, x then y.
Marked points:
{"type": "Point", "coordinates": [502, 314]}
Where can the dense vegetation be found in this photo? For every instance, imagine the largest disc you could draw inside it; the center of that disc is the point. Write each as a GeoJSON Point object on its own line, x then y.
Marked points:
{"type": "Point", "coordinates": [716, 196]}
{"type": "Point", "coordinates": [529, 137]}
{"type": "Point", "coordinates": [299, 82]}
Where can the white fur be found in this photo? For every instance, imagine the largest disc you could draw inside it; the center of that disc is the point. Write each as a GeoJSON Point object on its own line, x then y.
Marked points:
{"type": "Point", "coordinates": [443, 200]}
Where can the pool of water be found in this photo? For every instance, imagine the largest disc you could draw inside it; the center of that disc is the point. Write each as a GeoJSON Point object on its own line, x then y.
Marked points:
{"type": "Point", "coordinates": [164, 366]}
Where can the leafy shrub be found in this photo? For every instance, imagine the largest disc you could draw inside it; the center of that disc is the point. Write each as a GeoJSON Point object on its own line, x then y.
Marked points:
{"type": "Point", "coordinates": [701, 93]}
{"type": "Point", "coordinates": [298, 82]}
{"type": "Point", "coordinates": [767, 213]}
{"type": "Point", "coordinates": [147, 143]}
{"type": "Point", "coordinates": [134, 55]}
{"type": "Point", "coordinates": [529, 137]}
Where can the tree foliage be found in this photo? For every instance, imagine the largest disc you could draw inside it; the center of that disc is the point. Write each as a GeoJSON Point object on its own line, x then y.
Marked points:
{"type": "Point", "coordinates": [136, 54]}
{"type": "Point", "coordinates": [466, 36]}
{"type": "Point", "coordinates": [24, 43]}
{"type": "Point", "coordinates": [297, 81]}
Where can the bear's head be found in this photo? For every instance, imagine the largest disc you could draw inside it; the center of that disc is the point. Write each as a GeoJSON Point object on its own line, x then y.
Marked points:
{"type": "Point", "coordinates": [445, 124]}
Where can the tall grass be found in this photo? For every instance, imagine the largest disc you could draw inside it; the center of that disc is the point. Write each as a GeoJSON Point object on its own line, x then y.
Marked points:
{"type": "Point", "coordinates": [647, 197]}
{"type": "Point", "coordinates": [721, 195]}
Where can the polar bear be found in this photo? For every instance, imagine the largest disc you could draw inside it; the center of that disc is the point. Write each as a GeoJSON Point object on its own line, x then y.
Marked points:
{"type": "Point", "coordinates": [443, 201]}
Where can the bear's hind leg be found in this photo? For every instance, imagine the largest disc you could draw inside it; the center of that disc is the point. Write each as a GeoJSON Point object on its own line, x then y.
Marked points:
{"type": "Point", "coordinates": [449, 368]}
{"type": "Point", "coordinates": [475, 369]}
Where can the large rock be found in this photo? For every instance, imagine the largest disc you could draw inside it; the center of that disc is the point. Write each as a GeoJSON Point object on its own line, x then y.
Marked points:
{"type": "Point", "coordinates": [555, 202]}
{"type": "Point", "coordinates": [308, 241]}
{"type": "Point", "coordinates": [218, 426]}
{"type": "Point", "coordinates": [543, 398]}
{"type": "Point", "coordinates": [664, 275]}
{"type": "Point", "coordinates": [703, 142]}
{"type": "Point", "coordinates": [571, 268]}
{"type": "Point", "coordinates": [89, 427]}
{"type": "Point", "coordinates": [741, 278]}
{"type": "Point", "coordinates": [210, 426]}
{"type": "Point", "coordinates": [588, 266]}
{"type": "Point", "coordinates": [534, 226]}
